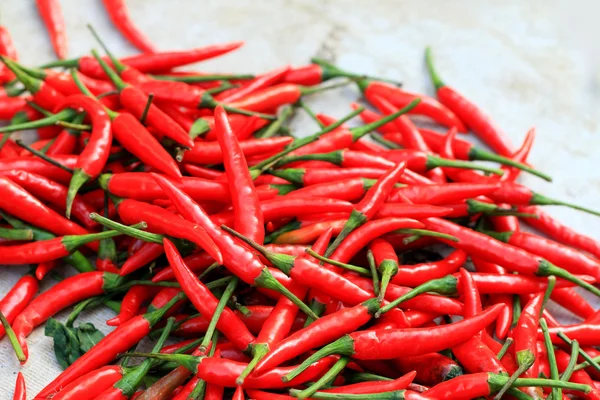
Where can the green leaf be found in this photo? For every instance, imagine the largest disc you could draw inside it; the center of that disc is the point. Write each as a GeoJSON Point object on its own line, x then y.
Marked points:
{"type": "Point", "coordinates": [88, 336]}
{"type": "Point", "coordinates": [66, 342]}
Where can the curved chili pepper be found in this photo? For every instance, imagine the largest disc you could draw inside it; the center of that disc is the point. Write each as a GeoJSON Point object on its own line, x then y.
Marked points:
{"type": "Point", "coordinates": [132, 302]}
{"type": "Point", "coordinates": [410, 134]}
{"type": "Point", "coordinates": [548, 225]}
{"type": "Point", "coordinates": [281, 320]}
{"type": "Point", "coordinates": [469, 113]}
{"type": "Point", "coordinates": [418, 274]}
{"type": "Point", "coordinates": [211, 153]}
{"type": "Point", "coordinates": [368, 206]}
{"type": "Point", "coordinates": [121, 339]}
{"type": "Point", "coordinates": [494, 251]}
{"type": "Point", "coordinates": [385, 344]}
{"type": "Point", "coordinates": [150, 62]}
{"type": "Point", "coordinates": [64, 294]}
{"type": "Point", "coordinates": [360, 237]}
{"type": "Point", "coordinates": [467, 387]}
{"type": "Point", "coordinates": [119, 15]}
{"type": "Point", "coordinates": [135, 101]}
{"type": "Point", "coordinates": [163, 222]}
{"type": "Point", "coordinates": [20, 388]}
{"type": "Point", "coordinates": [20, 203]}
{"type": "Point", "coordinates": [314, 176]}
{"type": "Point", "coordinates": [258, 83]}
{"type": "Point", "coordinates": [441, 194]}
{"type": "Point", "coordinates": [562, 361]}
{"type": "Point", "coordinates": [248, 217]}
{"type": "Point", "coordinates": [51, 14]}
{"type": "Point", "coordinates": [10, 106]}
{"type": "Point", "coordinates": [271, 98]}
{"type": "Point", "coordinates": [17, 298]}
{"type": "Point", "coordinates": [563, 256]}
{"type": "Point", "coordinates": [7, 48]}
{"type": "Point", "coordinates": [144, 256]}
{"type": "Point", "coordinates": [229, 324]}
{"type": "Point", "coordinates": [430, 369]}
{"type": "Point", "coordinates": [525, 337]}
{"type": "Point", "coordinates": [585, 333]}
{"type": "Point", "coordinates": [93, 158]}
{"type": "Point", "coordinates": [49, 250]}
{"type": "Point", "coordinates": [224, 372]}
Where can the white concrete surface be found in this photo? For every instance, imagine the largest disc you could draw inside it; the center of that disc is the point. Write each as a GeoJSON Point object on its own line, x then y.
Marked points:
{"type": "Point", "coordinates": [528, 63]}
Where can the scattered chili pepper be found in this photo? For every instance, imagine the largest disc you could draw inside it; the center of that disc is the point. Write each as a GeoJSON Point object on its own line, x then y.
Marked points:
{"type": "Point", "coordinates": [51, 14]}
{"type": "Point", "coordinates": [119, 15]}
{"type": "Point", "coordinates": [20, 388]}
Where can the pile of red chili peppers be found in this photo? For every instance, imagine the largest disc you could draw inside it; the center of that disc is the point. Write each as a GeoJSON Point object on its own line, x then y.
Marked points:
{"type": "Point", "coordinates": [264, 266]}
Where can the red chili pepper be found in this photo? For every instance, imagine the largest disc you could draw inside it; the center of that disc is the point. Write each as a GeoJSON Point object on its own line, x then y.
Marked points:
{"type": "Point", "coordinates": [150, 62]}
{"type": "Point", "coordinates": [281, 320]}
{"type": "Point", "coordinates": [248, 218]}
{"type": "Point", "coordinates": [384, 344]}
{"type": "Point", "coordinates": [88, 384]}
{"type": "Point", "coordinates": [229, 324]}
{"type": "Point", "coordinates": [211, 153]}
{"type": "Point", "coordinates": [469, 113]}
{"type": "Point", "coordinates": [132, 302]}
{"type": "Point", "coordinates": [430, 369]}
{"type": "Point", "coordinates": [51, 14]}
{"type": "Point", "coordinates": [20, 388]}
{"type": "Point", "coordinates": [40, 167]}
{"type": "Point", "coordinates": [525, 336]}
{"type": "Point", "coordinates": [52, 192]}
{"type": "Point", "coordinates": [261, 395]}
{"type": "Point", "coordinates": [563, 256]}
{"type": "Point", "coordinates": [258, 83]}
{"type": "Point", "coordinates": [17, 298]}
{"type": "Point", "coordinates": [307, 234]}
{"type": "Point", "coordinates": [441, 194]}
{"type": "Point", "coordinates": [144, 256]}
{"type": "Point", "coordinates": [509, 257]}
{"type": "Point", "coordinates": [571, 300]}
{"type": "Point", "coordinates": [360, 237]}
{"type": "Point", "coordinates": [119, 15]}
{"type": "Point", "coordinates": [399, 98]}
{"type": "Point", "coordinates": [562, 361]}
{"type": "Point", "coordinates": [135, 101]}
{"type": "Point", "coordinates": [7, 48]}
{"type": "Point", "coordinates": [414, 275]}
{"type": "Point", "coordinates": [21, 204]}
{"type": "Point", "coordinates": [271, 98]}
{"type": "Point", "coordinates": [93, 158]}
{"type": "Point", "coordinates": [9, 106]}
{"type": "Point", "coordinates": [548, 225]}
{"type": "Point", "coordinates": [314, 176]}
{"type": "Point", "coordinates": [163, 222]}
{"type": "Point", "coordinates": [121, 339]}
{"type": "Point", "coordinates": [64, 294]}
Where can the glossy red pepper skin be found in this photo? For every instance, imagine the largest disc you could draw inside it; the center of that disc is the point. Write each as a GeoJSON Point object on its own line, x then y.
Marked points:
{"type": "Point", "coordinates": [558, 254]}
{"type": "Point", "coordinates": [571, 300]}
{"type": "Point", "coordinates": [51, 14]}
{"type": "Point", "coordinates": [89, 385]}
{"type": "Point", "coordinates": [40, 167]}
{"type": "Point", "coordinates": [441, 194]}
{"type": "Point", "coordinates": [20, 388]}
{"type": "Point", "coordinates": [307, 75]}
{"type": "Point", "coordinates": [119, 15]}
{"type": "Point", "coordinates": [229, 324]}
{"type": "Point", "coordinates": [64, 294]}
{"type": "Point", "coordinates": [431, 369]}
{"type": "Point", "coordinates": [224, 372]}
{"type": "Point", "coordinates": [53, 193]}
{"type": "Point", "coordinates": [269, 98]}
{"type": "Point", "coordinates": [360, 237]}
{"type": "Point", "coordinates": [136, 139]}
{"type": "Point", "coordinates": [163, 222]}
{"type": "Point", "coordinates": [132, 302]}
{"type": "Point", "coordinates": [260, 82]}
{"type": "Point", "coordinates": [17, 298]}
{"type": "Point", "coordinates": [585, 333]}
{"type": "Point", "coordinates": [18, 202]}
{"type": "Point", "coordinates": [144, 256]}
{"type": "Point", "coordinates": [562, 361]}
{"type": "Point", "coordinates": [159, 61]}
{"type": "Point", "coordinates": [560, 232]}
{"type": "Point", "coordinates": [9, 106]}
{"type": "Point", "coordinates": [134, 100]}
{"type": "Point", "coordinates": [415, 275]}
{"type": "Point", "coordinates": [94, 156]}
{"type": "Point", "coordinates": [211, 153]}
{"type": "Point", "coordinates": [428, 106]}
{"type": "Point", "coordinates": [7, 48]}
{"type": "Point", "coordinates": [248, 216]}
{"type": "Point", "coordinates": [524, 333]}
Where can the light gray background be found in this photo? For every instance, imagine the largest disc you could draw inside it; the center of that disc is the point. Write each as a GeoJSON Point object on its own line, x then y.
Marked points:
{"type": "Point", "coordinates": [528, 63]}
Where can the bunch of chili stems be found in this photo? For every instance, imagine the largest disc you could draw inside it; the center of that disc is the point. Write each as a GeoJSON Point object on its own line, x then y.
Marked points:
{"type": "Point", "coordinates": [282, 267]}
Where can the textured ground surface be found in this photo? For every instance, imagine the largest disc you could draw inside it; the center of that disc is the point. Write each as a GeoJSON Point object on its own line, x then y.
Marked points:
{"type": "Point", "coordinates": [527, 63]}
